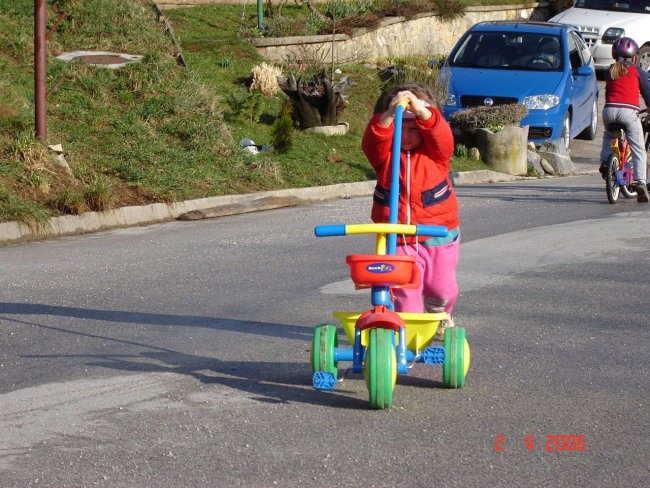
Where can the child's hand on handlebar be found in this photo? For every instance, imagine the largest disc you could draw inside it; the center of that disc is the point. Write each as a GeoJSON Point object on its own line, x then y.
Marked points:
{"type": "Point", "coordinates": [414, 104]}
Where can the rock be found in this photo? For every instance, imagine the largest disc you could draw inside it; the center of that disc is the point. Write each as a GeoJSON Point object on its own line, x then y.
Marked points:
{"type": "Point", "coordinates": [557, 156]}
{"type": "Point", "coordinates": [331, 130]}
{"type": "Point", "coordinates": [60, 157]}
{"type": "Point", "coordinates": [548, 168]}
{"type": "Point", "coordinates": [534, 161]}
{"type": "Point", "coordinates": [504, 151]}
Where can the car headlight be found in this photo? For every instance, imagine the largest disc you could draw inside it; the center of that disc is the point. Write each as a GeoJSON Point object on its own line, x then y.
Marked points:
{"type": "Point", "coordinates": [541, 102]}
{"type": "Point", "coordinates": [451, 100]}
{"type": "Point", "coordinates": [612, 34]}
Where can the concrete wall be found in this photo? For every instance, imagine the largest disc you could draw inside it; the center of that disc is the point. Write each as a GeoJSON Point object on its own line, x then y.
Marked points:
{"type": "Point", "coordinates": [171, 4]}
{"type": "Point", "coordinates": [424, 35]}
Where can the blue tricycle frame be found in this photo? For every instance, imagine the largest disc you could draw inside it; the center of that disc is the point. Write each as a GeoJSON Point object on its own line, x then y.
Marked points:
{"type": "Point", "coordinates": [384, 342]}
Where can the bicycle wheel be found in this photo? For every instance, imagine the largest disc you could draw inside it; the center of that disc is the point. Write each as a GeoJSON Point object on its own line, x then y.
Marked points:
{"type": "Point", "coordinates": [380, 368]}
{"type": "Point", "coordinates": [611, 185]}
{"type": "Point", "coordinates": [322, 349]}
{"type": "Point", "coordinates": [628, 192]}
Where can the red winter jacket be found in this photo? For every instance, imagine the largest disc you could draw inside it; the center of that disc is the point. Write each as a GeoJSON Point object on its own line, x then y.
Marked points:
{"type": "Point", "coordinates": [431, 199]}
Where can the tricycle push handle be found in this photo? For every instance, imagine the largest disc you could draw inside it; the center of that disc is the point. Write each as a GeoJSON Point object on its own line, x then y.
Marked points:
{"type": "Point", "coordinates": [401, 229]}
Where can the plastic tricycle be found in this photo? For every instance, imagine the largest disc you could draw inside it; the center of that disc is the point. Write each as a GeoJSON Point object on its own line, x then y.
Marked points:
{"type": "Point", "coordinates": [386, 343]}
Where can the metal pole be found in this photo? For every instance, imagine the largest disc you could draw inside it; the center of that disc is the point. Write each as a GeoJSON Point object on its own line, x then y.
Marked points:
{"type": "Point", "coordinates": [40, 70]}
{"type": "Point", "coordinates": [260, 14]}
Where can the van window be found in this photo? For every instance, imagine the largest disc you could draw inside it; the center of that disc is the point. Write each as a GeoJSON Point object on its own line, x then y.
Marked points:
{"type": "Point", "coordinates": [634, 6]}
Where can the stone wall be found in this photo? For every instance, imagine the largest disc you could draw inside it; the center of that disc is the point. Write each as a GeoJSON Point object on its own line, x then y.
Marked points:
{"type": "Point", "coordinates": [424, 35]}
{"type": "Point", "coordinates": [171, 4]}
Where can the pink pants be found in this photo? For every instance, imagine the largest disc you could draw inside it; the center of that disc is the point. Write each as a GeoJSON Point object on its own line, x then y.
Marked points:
{"type": "Point", "coordinates": [438, 290]}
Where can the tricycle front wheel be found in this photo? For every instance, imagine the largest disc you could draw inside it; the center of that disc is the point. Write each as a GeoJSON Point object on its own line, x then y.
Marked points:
{"type": "Point", "coordinates": [380, 368]}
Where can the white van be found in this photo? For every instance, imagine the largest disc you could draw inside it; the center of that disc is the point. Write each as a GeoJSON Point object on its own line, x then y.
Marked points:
{"type": "Point", "coordinates": [601, 22]}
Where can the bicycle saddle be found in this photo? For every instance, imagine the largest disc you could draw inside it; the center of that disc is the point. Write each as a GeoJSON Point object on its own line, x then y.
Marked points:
{"type": "Point", "coordinates": [615, 126]}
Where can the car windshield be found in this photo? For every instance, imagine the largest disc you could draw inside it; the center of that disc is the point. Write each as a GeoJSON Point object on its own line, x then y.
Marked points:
{"type": "Point", "coordinates": [509, 50]}
{"type": "Point", "coordinates": [635, 6]}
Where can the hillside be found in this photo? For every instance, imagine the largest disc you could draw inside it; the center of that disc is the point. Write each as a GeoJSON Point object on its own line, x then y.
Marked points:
{"type": "Point", "coordinates": [152, 131]}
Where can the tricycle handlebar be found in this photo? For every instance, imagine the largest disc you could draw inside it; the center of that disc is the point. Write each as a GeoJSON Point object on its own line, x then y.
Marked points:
{"type": "Point", "coordinates": [402, 229]}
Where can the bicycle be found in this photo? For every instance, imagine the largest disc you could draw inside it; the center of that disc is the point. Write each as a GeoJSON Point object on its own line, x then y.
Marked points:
{"type": "Point", "coordinates": [618, 176]}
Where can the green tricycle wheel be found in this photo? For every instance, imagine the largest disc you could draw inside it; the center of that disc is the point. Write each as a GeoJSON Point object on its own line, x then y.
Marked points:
{"type": "Point", "coordinates": [322, 349]}
{"type": "Point", "coordinates": [457, 357]}
{"type": "Point", "coordinates": [380, 368]}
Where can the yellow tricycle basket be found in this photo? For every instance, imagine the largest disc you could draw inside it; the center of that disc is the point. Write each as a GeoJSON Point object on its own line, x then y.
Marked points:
{"type": "Point", "coordinates": [369, 270]}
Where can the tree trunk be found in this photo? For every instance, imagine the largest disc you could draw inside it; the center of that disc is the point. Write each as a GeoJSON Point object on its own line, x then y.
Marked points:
{"type": "Point", "coordinates": [317, 103]}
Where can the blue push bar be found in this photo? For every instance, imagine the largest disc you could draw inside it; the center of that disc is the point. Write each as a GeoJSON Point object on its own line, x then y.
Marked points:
{"type": "Point", "coordinates": [330, 230]}
{"type": "Point", "coordinates": [406, 229]}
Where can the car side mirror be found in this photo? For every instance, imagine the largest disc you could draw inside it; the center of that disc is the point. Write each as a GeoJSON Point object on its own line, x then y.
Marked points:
{"type": "Point", "coordinates": [584, 71]}
{"type": "Point", "coordinates": [437, 62]}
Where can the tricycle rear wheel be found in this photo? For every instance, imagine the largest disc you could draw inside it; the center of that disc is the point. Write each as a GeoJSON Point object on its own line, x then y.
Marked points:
{"type": "Point", "coordinates": [322, 349]}
{"type": "Point", "coordinates": [456, 362]}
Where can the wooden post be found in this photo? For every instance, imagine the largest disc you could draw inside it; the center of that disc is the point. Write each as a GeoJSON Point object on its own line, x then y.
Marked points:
{"type": "Point", "coordinates": [40, 70]}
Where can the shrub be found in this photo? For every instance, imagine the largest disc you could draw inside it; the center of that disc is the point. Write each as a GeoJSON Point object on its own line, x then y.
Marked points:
{"type": "Point", "coordinates": [242, 102]}
{"type": "Point", "coordinates": [282, 129]}
{"type": "Point", "coordinates": [461, 151]}
{"type": "Point", "coordinates": [340, 8]}
{"type": "Point", "coordinates": [449, 10]}
{"type": "Point", "coordinates": [348, 25]}
{"type": "Point", "coordinates": [68, 201]}
{"type": "Point", "coordinates": [493, 118]}
{"type": "Point", "coordinates": [15, 208]}
{"type": "Point", "coordinates": [408, 9]}
{"type": "Point", "coordinates": [97, 193]}
{"type": "Point", "coordinates": [265, 79]}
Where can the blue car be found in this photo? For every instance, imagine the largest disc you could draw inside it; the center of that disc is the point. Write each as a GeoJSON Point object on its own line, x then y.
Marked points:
{"type": "Point", "coordinates": [545, 66]}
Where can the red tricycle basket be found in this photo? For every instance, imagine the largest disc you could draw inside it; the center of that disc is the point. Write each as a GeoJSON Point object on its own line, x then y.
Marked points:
{"type": "Point", "coordinates": [369, 270]}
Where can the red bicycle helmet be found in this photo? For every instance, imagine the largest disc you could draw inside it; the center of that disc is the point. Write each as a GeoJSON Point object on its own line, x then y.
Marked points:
{"type": "Point", "coordinates": [624, 47]}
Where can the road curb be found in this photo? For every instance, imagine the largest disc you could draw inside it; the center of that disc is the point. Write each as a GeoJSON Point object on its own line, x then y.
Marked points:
{"type": "Point", "coordinates": [67, 225]}
{"type": "Point", "coordinates": [219, 206]}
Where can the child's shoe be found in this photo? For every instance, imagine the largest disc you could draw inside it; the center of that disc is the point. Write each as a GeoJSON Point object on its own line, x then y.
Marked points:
{"type": "Point", "coordinates": [603, 169]}
{"type": "Point", "coordinates": [641, 191]}
{"type": "Point", "coordinates": [440, 333]}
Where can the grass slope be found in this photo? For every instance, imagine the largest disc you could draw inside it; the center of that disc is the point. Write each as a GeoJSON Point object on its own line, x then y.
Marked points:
{"type": "Point", "coordinates": [153, 131]}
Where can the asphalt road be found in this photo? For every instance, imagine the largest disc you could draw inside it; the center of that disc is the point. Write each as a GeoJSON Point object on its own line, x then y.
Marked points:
{"type": "Point", "coordinates": [177, 355]}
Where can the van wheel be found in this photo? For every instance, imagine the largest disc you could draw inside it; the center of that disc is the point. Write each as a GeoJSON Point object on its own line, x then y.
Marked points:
{"type": "Point", "coordinates": [643, 58]}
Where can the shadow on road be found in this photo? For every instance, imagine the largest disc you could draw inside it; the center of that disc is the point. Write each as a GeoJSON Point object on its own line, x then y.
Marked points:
{"type": "Point", "coordinates": [265, 381]}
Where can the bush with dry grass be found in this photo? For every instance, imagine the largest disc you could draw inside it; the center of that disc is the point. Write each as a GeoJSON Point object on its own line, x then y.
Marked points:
{"type": "Point", "coordinates": [493, 118]}
{"type": "Point", "coordinates": [265, 79]}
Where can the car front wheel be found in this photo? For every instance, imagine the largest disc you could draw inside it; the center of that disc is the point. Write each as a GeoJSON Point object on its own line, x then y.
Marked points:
{"type": "Point", "coordinates": [590, 132]}
{"type": "Point", "coordinates": [565, 137]}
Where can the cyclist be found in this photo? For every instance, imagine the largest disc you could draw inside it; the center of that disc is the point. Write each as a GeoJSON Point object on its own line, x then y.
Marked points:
{"type": "Point", "coordinates": [624, 81]}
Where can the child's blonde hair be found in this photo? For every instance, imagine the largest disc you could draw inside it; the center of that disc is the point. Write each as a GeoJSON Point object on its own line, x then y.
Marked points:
{"type": "Point", "coordinates": [423, 92]}
{"type": "Point", "coordinates": [619, 68]}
